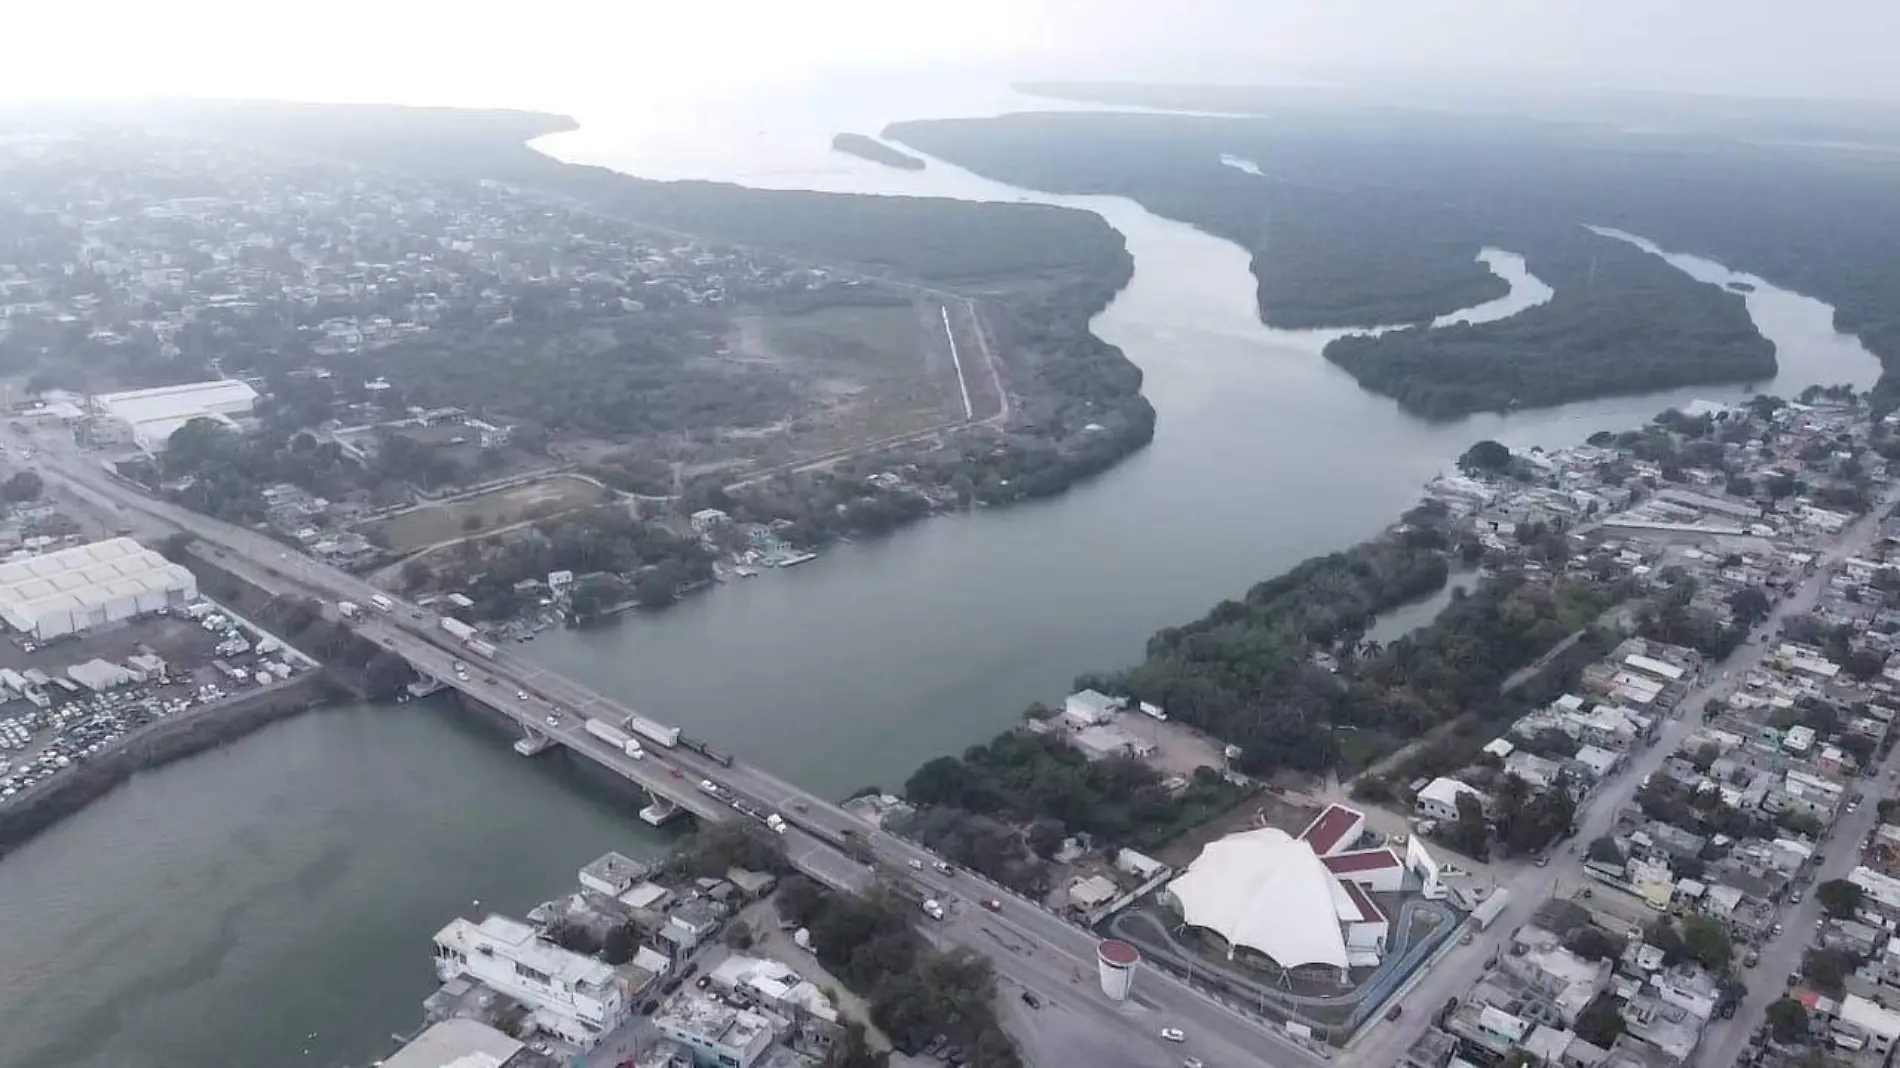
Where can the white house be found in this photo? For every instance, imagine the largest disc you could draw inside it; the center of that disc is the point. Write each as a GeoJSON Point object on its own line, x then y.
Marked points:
{"type": "Point", "coordinates": [1089, 709]}
{"type": "Point", "coordinates": [567, 994]}
{"type": "Point", "coordinates": [1439, 799]}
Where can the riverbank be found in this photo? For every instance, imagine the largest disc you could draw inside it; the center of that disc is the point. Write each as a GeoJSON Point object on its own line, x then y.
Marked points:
{"type": "Point", "coordinates": [185, 734]}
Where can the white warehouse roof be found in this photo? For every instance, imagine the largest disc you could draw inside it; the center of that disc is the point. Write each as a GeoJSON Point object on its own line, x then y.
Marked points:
{"type": "Point", "coordinates": [456, 1043]}
{"type": "Point", "coordinates": [153, 414]}
{"type": "Point", "coordinates": [89, 585]}
{"type": "Point", "coordinates": [1269, 892]}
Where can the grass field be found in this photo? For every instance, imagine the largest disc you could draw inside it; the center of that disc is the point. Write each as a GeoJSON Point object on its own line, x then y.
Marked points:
{"type": "Point", "coordinates": [868, 371]}
{"type": "Point", "coordinates": [473, 516]}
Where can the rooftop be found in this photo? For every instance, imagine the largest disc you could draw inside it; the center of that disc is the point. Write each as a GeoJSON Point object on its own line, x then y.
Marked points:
{"type": "Point", "coordinates": [456, 1043]}
{"type": "Point", "coordinates": [1329, 829]}
{"type": "Point", "coordinates": [520, 943]}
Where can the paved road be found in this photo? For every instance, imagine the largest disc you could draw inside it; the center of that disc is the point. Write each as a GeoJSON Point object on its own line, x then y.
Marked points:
{"type": "Point", "coordinates": [1032, 949]}
{"type": "Point", "coordinates": [1530, 886]}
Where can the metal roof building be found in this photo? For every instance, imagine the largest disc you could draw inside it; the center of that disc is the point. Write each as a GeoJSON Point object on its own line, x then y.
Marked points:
{"type": "Point", "coordinates": [88, 586]}
{"type": "Point", "coordinates": [147, 417]}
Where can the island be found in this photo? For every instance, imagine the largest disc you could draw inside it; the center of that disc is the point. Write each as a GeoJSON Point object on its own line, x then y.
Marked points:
{"type": "Point", "coordinates": [876, 151]}
{"type": "Point", "coordinates": [1336, 243]}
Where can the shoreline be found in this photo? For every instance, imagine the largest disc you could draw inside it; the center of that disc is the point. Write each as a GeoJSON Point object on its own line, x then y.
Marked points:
{"type": "Point", "coordinates": [164, 742]}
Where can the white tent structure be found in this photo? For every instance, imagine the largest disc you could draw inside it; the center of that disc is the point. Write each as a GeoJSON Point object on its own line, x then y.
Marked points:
{"type": "Point", "coordinates": [89, 586]}
{"type": "Point", "coordinates": [1267, 891]}
{"type": "Point", "coordinates": [147, 417]}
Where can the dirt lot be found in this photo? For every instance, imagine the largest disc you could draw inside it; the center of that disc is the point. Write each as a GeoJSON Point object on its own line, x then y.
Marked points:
{"type": "Point", "coordinates": [435, 523]}
{"type": "Point", "coordinates": [1268, 809]}
{"type": "Point", "coordinates": [869, 371]}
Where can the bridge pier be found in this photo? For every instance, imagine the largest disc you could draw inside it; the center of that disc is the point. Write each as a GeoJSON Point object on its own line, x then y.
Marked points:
{"type": "Point", "coordinates": [661, 811]}
{"type": "Point", "coordinates": [532, 742]}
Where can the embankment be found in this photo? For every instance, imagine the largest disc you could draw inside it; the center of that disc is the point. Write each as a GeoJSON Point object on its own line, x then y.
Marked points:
{"type": "Point", "coordinates": [180, 736]}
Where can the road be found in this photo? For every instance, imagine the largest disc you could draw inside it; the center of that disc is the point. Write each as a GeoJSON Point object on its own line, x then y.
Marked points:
{"type": "Point", "coordinates": [1530, 886]}
{"type": "Point", "coordinates": [1032, 949]}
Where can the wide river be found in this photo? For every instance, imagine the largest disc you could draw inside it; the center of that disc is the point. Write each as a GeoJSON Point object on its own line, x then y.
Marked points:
{"type": "Point", "coordinates": [271, 903]}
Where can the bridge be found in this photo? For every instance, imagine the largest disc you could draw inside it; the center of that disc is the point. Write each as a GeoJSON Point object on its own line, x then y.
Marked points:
{"type": "Point", "coordinates": [1030, 947]}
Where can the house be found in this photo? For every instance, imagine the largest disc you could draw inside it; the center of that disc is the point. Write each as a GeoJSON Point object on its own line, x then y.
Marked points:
{"type": "Point", "coordinates": [567, 994]}
{"type": "Point", "coordinates": [1439, 799]}
{"type": "Point", "coordinates": [1863, 1024]}
{"type": "Point", "coordinates": [1087, 708]}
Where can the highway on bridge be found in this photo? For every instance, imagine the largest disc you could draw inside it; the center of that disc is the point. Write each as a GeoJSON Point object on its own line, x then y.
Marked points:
{"type": "Point", "coordinates": [1032, 949]}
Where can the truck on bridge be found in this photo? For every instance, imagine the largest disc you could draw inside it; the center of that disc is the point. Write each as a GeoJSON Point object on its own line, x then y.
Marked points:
{"type": "Point", "coordinates": [1490, 908]}
{"type": "Point", "coordinates": [480, 648]}
{"type": "Point", "coordinates": [382, 603]}
{"type": "Point", "coordinates": [722, 759]}
{"type": "Point", "coordinates": [457, 629]}
{"type": "Point", "coordinates": [653, 732]}
{"type": "Point", "coordinates": [615, 737]}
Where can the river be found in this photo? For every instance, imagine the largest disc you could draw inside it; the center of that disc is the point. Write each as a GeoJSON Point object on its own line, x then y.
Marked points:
{"type": "Point", "coordinates": [222, 909]}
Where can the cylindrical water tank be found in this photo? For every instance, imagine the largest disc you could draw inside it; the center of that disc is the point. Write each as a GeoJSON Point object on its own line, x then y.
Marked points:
{"type": "Point", "coordinates": [1116, 961]}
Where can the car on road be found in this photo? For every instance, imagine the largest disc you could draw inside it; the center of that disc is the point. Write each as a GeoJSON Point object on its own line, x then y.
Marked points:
{"type": "Point", "coordinates": [1543, 860]}
{"type": "Point", "coordinates": [993, 904]}
{"type": "Point", "coordinates": [916, 865]}
{"type": "Point", "coordinates": [490, 680]}
{"type": "Point", "coordinates": [1031, 1000]}
{"type": "Point", "coordinates": [553, 721]}
{"type": "Point", "coordinates": [1395, 1012]}
{"type": "Point", "coordinates": [1795, 897]}
{"type": "Point", "coordinates": [1174, 1034]}
{"type": "Point", "coordinates": [944, 868]}
{"type": "Point", "coordinates": [521, 695]}
{"type": "Point", "coordinates": [1752, 958]}
{"type": "Point", "coordinates": [1192, 1062]}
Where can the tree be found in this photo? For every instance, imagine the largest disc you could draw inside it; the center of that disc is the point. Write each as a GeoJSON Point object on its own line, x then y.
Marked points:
{"type": "Point", "coordinates": [1788, 1021]}
{"type": "Point", "coordinates": [1604, 850]}
{"type": "Point", "coordinates": [1827, 969]}
{"type": "Point", "coordinates": [1706, 941]}
{"type": "Point", "coordinates": [619, 946]}
{"type": "Point", "coordinates": [1469, 833]}
{"type": "Point", "coordinates": [1486, 457]}
{"type": "Point", "coordinates": [1840, 898]}
{"type": "Point", "coordinates": [738, 935]}
{"type": "Point", "coordinates": [416, 575]}
{"type": "Point", "coordinates": [1750, 605]}
{"type": "Point", "coordinates": [1593, 943]}
{"type": "Point", "coordinates": [176, 545]}
{"type": "Point", "coordinates": [1601, 1021]}
{"type": "Point", "coordinates": [386, 674]}
{"type": "Point", "coordinates": [571, 936]}
{"type": "Point", "coordinates": [23, 486]}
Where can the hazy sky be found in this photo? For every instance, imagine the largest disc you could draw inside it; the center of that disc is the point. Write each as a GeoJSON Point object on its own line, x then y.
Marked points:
{"type": "Point", "coordinates": [566, 54]}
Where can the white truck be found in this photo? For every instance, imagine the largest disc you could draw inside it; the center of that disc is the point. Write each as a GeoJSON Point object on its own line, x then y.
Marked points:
{"type": "Point", "coordinates": [776, 823]}
{"type": "Point", "coordinates": [656, 733]}
{"type": "Point", "coordinates": [457, 629]}
{"type": "Point", "coordinates": [382, 603]}
{"type": "Point", "coordinates": [615, 737]}
{"type": "Point", "coordinates": [347, 609]}
{"type": "Point", "coordinates": [481, 649]}
{"type": "Point", "coordinates": [933, 909]}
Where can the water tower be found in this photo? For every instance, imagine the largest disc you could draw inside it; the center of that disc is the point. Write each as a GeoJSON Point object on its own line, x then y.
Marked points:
{"type": "Point", "coordinates": [1115, 961]}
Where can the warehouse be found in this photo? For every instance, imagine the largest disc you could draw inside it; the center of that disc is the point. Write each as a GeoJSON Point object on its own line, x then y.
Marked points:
{"type": "Point", "coordinates": [88, 586]}
{"type": "Point", "coordinates": [147, 417]}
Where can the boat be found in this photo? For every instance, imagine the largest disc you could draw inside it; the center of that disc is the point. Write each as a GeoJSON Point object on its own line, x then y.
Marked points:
{"type": "Point", "coordinates": [746, 572]}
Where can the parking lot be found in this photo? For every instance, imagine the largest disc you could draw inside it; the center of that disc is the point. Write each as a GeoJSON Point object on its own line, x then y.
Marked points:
{"type": "Point", "coordinates": [69, 701]}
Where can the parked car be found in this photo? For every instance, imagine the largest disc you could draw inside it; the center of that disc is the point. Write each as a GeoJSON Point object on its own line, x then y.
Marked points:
{"type": "Point", "coordinates": [1031, 1000]}
{"type": "Point", "coordinates": [1174, 1034]}
{"type": "Point", "coordinates": [1395, 1012]}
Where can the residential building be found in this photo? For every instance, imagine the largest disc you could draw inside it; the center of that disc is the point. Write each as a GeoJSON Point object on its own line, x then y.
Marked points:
{"type": "Point", "coordinates": [718, 1035]}
{"type": "Point", "coordinates": [568, 994]}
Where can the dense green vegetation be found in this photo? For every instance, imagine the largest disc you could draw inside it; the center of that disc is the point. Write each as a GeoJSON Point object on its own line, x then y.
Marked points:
{"type": "Point", "coordinates": [915, 992]}
{"type": "Point", "coordinates": [876, 151]}
{"type": "Point", "coordinates": [973, 806]}
{"type": "Point", "coordinates": [604, 540]}
{"type": "Point", "coordinates": [1373, 217]}
{"type": "Point", "coordinates": [1244, 672]}
{"type": "Point", "coordinates": [1621, 321]}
